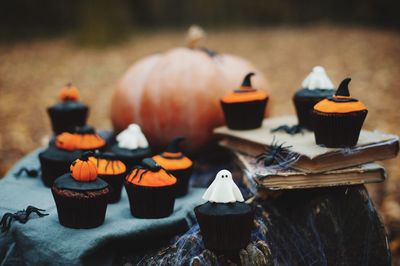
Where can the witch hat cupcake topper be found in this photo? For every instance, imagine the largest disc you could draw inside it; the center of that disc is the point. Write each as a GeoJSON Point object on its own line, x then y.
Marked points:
{"type": "Point", "coordinates": [343, 89]}
{"type": "Point", "coordinates": [173, 146]}
{"type": "Point", "coordinates": [246, 84]}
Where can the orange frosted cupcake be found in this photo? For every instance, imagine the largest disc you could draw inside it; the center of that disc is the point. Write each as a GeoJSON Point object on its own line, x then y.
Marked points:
{"type": "Point", "coordinates": [56, 159]}
{"type": "Point", "coordinates": [175, 162]}
{"type": "Point", "coordinates": [151, 190]}
{"type": "Point", "coordinates": [244, 108]}
{"type": "Point", "coordinates": [111, 170]}
{"type": "Point", "coordinates": [69, 112]}
{"type": "Point", "coordinates": [338, 119]}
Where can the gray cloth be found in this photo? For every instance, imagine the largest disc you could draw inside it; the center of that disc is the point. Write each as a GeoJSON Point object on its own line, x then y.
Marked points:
{"type": "Point", "coordinates": [43, 241]}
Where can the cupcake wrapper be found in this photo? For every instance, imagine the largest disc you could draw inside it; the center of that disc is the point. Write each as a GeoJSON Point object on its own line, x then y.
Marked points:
{"type": "Point", "coordinates": [245, 115]}
{"type": "Point", "coordinates": [65, 120]}
{"type": "Point", "coordinates": [81, 213]}
{"type": "Point", "coordinates": [115, 184]}
{"type": "Point", "coordinates": [224, 233]}
{"type": "Point", "coordinates": [338, 130]}
{"type": "Point", "coordinates": [182, 184]}
{"type": "Point", "coordinates": [150, 202]}
{"type": "Point", "coordinates": [51, 169]}
{"type": "Point", "coordinates": [304, 110]}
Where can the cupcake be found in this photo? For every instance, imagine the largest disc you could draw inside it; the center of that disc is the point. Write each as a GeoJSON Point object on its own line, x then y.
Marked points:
{"type": "Point", "coordinates": [338, 119]}
{"type": "Point", "coordinates": [111, 170]}
{"type": "Point", "coordinates": [67, 147]}
{"type": "Point", "coordinates": [151, 190]}
{"type": "Point", "coordinates": [225, 220]}
{"type": "Point", "coordinates": [315, 87]}
{"type": "Point", "coordinates": [244, 108]}
{"type": "Point", "coordinates": [68, 113]}
{"type": "Point", "coordinates": [132, 146]}
{"type": "Point", "coordinates": [176, 163]}
{"type": "Point", "coordinates": [80, 196]}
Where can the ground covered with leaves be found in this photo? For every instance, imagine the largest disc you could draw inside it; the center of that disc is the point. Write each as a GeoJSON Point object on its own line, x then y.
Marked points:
{"type": "Point", "coordinates": [31, 74]}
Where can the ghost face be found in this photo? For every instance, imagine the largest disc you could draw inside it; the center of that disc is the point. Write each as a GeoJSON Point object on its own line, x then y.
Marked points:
{"type": "Point", "coordinates": [223, 189]}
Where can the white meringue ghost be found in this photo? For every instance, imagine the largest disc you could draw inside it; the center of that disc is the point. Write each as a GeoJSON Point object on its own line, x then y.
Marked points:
{"type": "Point", "coordinates": [317, 79]}
{"type": "Point", "coordinates": [223, 189]}
{"type": "Point", "coordinates": [132, 138]}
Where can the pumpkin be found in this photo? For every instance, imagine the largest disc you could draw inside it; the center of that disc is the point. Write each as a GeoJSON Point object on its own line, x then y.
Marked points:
{"type": "Point", "coordinates": [178, 92]}
{"type": "Point", "coordinates": [83, 169]}
{"type": "Point", "coordinates": [69, 93]}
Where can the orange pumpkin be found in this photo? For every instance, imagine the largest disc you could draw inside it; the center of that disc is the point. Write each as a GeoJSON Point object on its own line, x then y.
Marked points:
{"type": "Point", "coordinates": [84, 170]}
{"type": "Point", "coordinates": [178, 92]}
{"type": "Point", "coordinates": [69, 93]}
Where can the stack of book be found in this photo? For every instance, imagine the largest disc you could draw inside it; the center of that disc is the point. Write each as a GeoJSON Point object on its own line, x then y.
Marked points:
{"type": "Point", "coordinates": [299, 163]}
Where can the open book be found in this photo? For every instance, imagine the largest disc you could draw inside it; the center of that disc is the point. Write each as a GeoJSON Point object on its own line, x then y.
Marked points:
{"type": "Point", "coordinates": [371, 146]}
{"type": "Point", "coordinates": [278, 178]}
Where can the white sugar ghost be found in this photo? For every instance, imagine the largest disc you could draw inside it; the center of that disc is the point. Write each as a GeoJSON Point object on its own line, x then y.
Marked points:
{"type": "Point", "coordinates": [132, 138]}
{"type": "Point", "coordinates": [223, 189]}
{"type": "Point", "coordinates": [317, 79]}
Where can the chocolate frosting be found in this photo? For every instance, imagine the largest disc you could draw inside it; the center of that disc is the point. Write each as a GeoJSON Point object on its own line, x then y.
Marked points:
{"type": "Point", "coordinates": [317, 93]}
{"type": "Point", "coordinates": [221, 209]}
{"type": "Point", "coordinates": [67, 105]}
{"type": "Point", "coordinates": [56, 154]}
{"type": "Point", "coordinates": [66, 181]}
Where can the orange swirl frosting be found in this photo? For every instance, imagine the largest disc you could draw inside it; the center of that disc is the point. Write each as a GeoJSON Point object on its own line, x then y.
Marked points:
{"type": "Point", "coordinates": [69, 93]}
{"type": "Point", "coordinates": [341, 102]}
{"type": "Point", "coordinates": [74, 141]}
{"type": "Point", "coordinates": [150, 179]}
{"type": "Point", "coordinates": [246, 93]}
{"type": "Point", "coordinates": [108, 167]}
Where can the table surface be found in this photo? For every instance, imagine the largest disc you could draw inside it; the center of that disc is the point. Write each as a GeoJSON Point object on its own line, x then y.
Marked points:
{"type": "Point", "coordinates": [332, 226]}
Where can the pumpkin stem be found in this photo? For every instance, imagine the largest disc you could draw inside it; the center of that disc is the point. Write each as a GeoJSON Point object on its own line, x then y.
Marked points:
{"type": "Point", "coordinates": [343, 89]}
{"type": "Point", "coordinates": [85, 156]}
{"type": "Point", "coordinates": [173, 146]}
{"type": "Point", "coordinates": [194, 36]}
{"type": "Point", "coordinates": [247, 80]}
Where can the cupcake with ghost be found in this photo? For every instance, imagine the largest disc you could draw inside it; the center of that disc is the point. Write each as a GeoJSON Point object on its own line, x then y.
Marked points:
{"type": "Point", "coordinates": [111, 170]}
{"type": "Point", "coordinates": [244, 108]}
{"type": "Point", "coordinates": [225, 220]}
{"type": "Point", "coordinates": [315, 87]}
{"type": "Point", "coordinates": [80, 196]}
{"type": "Point", "coordinates": [151, 190]}
{"type": "Point", "coordinates": [131, 146]}
{"type": "Point", "coordinates": [176, 163]}
{"type": "Point", "coordinates": [69, 112]}
{"type": "Point", "coordinates": [338, 119]}
{"type": "Point", "coordinates": [56, 159]}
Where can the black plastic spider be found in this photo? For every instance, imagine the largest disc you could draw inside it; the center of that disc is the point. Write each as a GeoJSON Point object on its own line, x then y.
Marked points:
{"type": "Point", "coordinates": [148, 164]}
{"type": "Point", "coordinates": [274, 154]}
{"type": "Point", "coordinates": [20, 216]}
{"type": "Point", "coordinates": [28, 172]}
{"type": "Point", "coordinates": [292, 130]}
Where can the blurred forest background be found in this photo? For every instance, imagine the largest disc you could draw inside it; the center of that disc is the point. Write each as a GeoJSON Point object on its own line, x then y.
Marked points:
{"type": "Point", "coordinates": [44, 44]}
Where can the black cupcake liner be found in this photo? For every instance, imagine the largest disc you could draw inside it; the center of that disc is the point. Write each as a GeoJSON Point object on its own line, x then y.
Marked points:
{"type": "Point", "coordinates": [182, 183]}
{"type": "Point", "coordinates": [65, 120]}
{"type": "Point", "coordinates": [81, 212]}
{"type": "Point", "coordinates": [304, 109]}
{"type": "Point", "coordinates": [52, 168]}
{"type": "Point", "coordinates": [244, 115]}
{"type": "Point", "coordinates": [224, 233]}
{"type": "Point", "coordinates": [115, 185]}
{"type": "Point", "coordinates": [151, 202]}
{"type": "Point", "coordinates": [336, 130]}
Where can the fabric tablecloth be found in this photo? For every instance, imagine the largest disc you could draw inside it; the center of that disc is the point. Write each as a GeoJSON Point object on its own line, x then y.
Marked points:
{"type": "Point", "coordinates": [43, 241]}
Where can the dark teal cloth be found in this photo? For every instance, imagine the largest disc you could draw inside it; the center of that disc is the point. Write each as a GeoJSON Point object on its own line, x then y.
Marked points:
{"type": "Point", "coordinates": [43, 241]}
